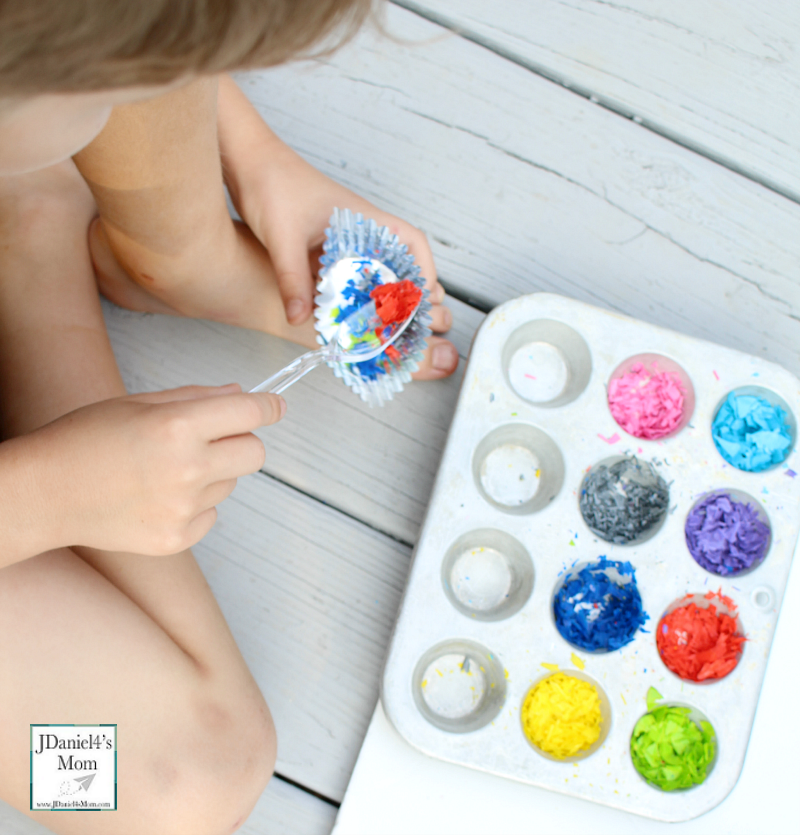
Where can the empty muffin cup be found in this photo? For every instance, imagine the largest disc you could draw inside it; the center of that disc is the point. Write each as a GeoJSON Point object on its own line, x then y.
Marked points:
{"type": "Point", "coordinates": [459, 686]}
{"type": "Point", "coordinates": [624, 500]}
{"type": "Point", "coordinates": [650, 396]}
{"type": "Point", "coordinates": [487, 575]}
{"type": "Point", "coordinates": [546, 363]}
{"type": "Point", "coordinates": [566, 716]}
{"type": "Point", "coordinates": [518, 468]}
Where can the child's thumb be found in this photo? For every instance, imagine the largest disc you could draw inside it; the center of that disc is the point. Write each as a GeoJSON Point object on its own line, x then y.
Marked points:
{"type": "Point", "coordinates": [296, 284]}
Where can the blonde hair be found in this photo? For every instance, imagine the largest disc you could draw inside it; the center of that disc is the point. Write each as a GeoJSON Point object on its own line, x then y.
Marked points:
{"type": "Point", "coordinates": [81, 45]}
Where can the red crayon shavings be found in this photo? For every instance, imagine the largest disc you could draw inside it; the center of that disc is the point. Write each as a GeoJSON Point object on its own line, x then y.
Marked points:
{"type": "Point", "coordinates": [647, 404]}
{"type": "Point", "coordinates": [395, 302]}
{"type": "Point", "coordinates": [700, 644]}
{"type": "Point", "coordinates": [392, 353]}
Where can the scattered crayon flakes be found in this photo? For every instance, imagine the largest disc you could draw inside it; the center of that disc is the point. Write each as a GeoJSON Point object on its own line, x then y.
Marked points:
{"type": "Point", "coordinates": [791, 473]}
{"type": "Point", "coordinates": [716, 376]}
{"type": "Point", "coordinates": [610, 440]}
{"type": "Point", "coordinates": [552, 667]}
{"type": "Point", "coordinates": [577, 661]}
{"type": "Point", "coordinates": [622, 696]}
{"type": "Point", "coordinates": [424, 682]}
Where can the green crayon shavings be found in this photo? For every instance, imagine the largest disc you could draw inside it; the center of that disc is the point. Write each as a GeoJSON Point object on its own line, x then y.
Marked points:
{"type": "Point", "coordinates": [669, 749]}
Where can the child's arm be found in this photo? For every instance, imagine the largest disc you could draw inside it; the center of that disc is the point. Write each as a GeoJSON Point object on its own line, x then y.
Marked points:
{"type": "Point", "coordinates": [141, 474]}
{"type": "Point", "coordinates": [287, 203]}
{"type": "Point", "coordinates": [166, 244]}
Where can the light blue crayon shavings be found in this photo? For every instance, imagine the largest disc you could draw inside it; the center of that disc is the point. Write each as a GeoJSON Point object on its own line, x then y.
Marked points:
{"type": "Point", "coordinates": [750, 433]}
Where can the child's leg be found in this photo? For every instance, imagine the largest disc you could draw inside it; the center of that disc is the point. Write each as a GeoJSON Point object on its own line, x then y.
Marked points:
{"type": "Point", "coordinates": [108, 637]}
{"type": "Point", "coordinates": [156, 174]}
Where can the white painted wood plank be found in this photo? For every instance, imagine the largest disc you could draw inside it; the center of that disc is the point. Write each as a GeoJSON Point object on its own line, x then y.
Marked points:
{"type": "Point", "coordinates": [524, 186]}
{"type": "Point", "coordinates": [375, 464]}
{"type": "Point", "coordinates": [311, 597]}
{"type": "Point", "coordinates": [723, 77]}
{"type": "Point", "coordinates": [281, 810]}
{"type": "Point", "coordinates": [13, 822]}
{"type": "Point", "coordinates": [284, 809]}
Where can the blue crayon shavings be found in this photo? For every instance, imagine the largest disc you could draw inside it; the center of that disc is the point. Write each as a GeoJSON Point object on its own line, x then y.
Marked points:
{"type": "Point", "coordinates": [373, 256]}
{"type": "Point", "coordinates": [597, 611]}
{"type": "Point", "coordinates": [751, 433]}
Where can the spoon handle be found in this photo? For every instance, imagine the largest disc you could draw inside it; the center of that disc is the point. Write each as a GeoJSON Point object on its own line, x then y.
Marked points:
{"type": "Point", "coordinates": [294, 371]}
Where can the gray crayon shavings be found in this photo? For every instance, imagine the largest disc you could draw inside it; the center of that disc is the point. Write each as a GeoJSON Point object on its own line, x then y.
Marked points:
{"type": "Point", "coordinates": [622, 501]}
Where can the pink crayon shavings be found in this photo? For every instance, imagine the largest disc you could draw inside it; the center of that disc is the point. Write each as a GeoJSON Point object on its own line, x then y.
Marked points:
{"type": "Point", "coordinates": [647, 404]}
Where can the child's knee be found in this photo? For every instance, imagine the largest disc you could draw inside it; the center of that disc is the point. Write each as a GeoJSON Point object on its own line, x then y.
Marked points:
{"type": "Point", "coordinates": [218, 767]}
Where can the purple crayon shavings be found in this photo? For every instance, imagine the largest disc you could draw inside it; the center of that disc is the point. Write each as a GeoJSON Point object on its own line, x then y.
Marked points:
{"type": "Point", "coordinates": [751, 433]}
{"type": "Point", "coordinates": [791, 473]}
{"type": "Point", "coordinates": [623, 501]}
{"type": "Point", "coordinates": [726, 536]}
{"type": "Point", "coordinates": [596, 612]}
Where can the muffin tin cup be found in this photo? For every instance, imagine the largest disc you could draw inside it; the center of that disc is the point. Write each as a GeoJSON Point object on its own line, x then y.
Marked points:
{"type": "Point", "coordinates": [539, 537]}
{"type": "Point", "coordinates": [696, 716]}
{"type": "Point", "coordinates": [774, 399]}
{"type": "Point", "coordinates": [743, 498]}
{"type": "Point", "coordinates": [605, 712]}
{"type": "Point", "coordinates": [703, 602]}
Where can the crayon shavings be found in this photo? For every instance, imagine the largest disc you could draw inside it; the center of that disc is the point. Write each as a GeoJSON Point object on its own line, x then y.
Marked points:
{"type": "Point", "coordinates": [700, 644]}
{"type": "Point", "coordinates": [669, 749]}
{"type": "Point", "coordinates": [726, 536]}
{"type": "Point", "coordinates": [561, 715]}
{"type": "Point", "coordinates": [369, 279]}
{"type": "Point", "coordinates": [647, 404]}
{"type": "Point", "coordinates": [623, 501]}
{"type": "Point", "coordinates": [751, 433]}
{"type": "Point", "coordinates": [598, 612]}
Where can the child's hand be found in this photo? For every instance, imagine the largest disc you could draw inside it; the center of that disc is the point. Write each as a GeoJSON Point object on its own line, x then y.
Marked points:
{"type": "Point", "coordinates": [287, 204]}
{"type": "Point", "coordinates": [143, 473]}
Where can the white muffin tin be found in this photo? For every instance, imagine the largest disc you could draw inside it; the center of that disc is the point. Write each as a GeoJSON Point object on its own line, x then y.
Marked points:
{"type": "Point", "coordinates": [494, 607]}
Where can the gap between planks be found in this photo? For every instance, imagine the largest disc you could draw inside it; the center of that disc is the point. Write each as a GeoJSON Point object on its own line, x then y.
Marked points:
{"type": "Point", "coordinates": [583, 77]}
{"type": "Point", "coordinates": [522, 186]}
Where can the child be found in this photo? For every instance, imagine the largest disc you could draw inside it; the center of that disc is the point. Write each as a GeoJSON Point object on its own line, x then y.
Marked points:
{"type": "Point", "coordinates": [97, 632]}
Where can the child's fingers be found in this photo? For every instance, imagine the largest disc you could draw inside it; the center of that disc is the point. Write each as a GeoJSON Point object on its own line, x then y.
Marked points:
{"type": "Point", "coordinates": [441, 318]}
{"type": "Point", "coordinates": [289, 255]}
{"type": "Point", "coordinates": [198, 528]}
{"type": "Point", "coordinates": [236, 414]}
{"type": "Point", "coordinates": [234, 457]}
{"type": "Point", "coordinates": [216, 493]}
{"type": "Point", "coordinates": [440, 360]}
{"type": "Point", "coordinates": [185, 393]}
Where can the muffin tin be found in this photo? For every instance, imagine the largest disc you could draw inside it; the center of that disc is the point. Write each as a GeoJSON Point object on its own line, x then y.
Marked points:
{"type": "Point", "coordinates": [504, 526]}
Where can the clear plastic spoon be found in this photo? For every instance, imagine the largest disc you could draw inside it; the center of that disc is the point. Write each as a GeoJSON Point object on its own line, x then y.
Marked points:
{"type": "Point", "coordinates": [365, 318]}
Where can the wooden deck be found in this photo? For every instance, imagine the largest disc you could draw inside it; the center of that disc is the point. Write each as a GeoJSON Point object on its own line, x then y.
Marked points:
{"type": "Point", "coordinates": [645, 163]}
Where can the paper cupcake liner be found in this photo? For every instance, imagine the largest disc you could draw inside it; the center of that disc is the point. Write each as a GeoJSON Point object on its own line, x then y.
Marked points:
{"type": "Point", "coordinates": [381, 259]}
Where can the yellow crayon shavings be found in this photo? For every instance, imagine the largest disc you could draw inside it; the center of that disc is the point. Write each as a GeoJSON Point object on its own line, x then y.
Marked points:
{"type": "Point", "coordinates": [578, 662]}
{"type": "Point", "coordinates": [561, 715]}
{"type": "Point", "coordinates": [552, 667]}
